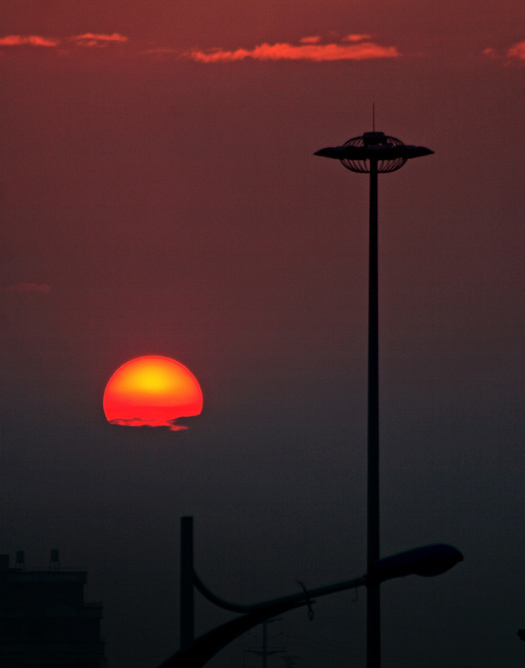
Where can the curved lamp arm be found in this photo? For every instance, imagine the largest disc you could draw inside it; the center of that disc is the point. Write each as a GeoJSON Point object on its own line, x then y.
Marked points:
{"type": "Point", "coordinates": [296, 600]}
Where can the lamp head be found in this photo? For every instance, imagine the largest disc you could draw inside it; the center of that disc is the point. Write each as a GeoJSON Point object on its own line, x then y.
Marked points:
{"type": "Point", "coordinates": [389, 153]}
{"type": "Point", "coordinates": [426, 561]}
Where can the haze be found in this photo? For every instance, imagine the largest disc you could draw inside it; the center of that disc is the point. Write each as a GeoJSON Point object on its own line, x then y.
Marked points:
{"type": "Point", "coordinates": [160, 197]}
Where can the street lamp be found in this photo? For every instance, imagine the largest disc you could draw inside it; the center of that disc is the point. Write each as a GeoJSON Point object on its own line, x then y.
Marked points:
{"type": "Point", "coordinates": [373, 153]}
{"type": "Point", "coordinates": [426, 561]}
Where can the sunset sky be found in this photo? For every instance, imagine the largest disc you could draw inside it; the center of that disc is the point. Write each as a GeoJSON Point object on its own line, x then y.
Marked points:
{"type": "Point", "coordinates": [160, 196]}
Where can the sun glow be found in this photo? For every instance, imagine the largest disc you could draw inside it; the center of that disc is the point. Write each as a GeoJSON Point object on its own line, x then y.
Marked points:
{"type": "Point", "coordinates": [152, 391]}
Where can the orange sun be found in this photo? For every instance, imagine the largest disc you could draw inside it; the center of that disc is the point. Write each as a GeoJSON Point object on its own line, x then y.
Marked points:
{"type": "Point", "coordinates": [152, 391]}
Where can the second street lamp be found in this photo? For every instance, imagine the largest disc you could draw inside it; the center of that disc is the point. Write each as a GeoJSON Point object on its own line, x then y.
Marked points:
{"type": "Point", "coordinates": [373, 153]}
{"type": "Point", "coordinates": [426, 561]}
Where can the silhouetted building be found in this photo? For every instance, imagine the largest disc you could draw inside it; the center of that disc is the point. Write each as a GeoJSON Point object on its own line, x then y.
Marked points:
{"type": "Point", "coordinates": [44, 620]}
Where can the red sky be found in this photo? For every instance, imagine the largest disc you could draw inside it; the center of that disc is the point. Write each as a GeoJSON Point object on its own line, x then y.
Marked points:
{"type": "Point", "coordinates": [155, 203]}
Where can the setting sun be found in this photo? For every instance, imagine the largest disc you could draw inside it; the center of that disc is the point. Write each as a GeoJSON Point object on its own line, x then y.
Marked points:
{"type": "Point", "coordinates": [152, 391]}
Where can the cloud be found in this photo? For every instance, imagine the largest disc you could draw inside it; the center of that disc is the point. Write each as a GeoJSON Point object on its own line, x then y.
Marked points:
{"type": "Point", "coordinates": [356, 38]}
{"type": "Point", "coordinates": [352, 48]}
{"type": "Point", "coordinates": [98, 39]}
{"type": "Point", "coordinates": [88, 39]}
{"type": "Point", "coordinates": [42, 289]}
{"type": "Point", "coordinates": [139, 422]}
{"type": "Point", "coordinates": [27, 40]}
{"type": "Point", "coordinates": [314, 39]}
{"type": "Point", "coordinates": [517, 51]}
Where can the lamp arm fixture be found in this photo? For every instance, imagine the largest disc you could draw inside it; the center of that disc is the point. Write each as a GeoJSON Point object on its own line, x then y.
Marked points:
{"type": "Point", "coordinates": [426, 561]}
{"type": "Point", "coordinates": [295, 600]}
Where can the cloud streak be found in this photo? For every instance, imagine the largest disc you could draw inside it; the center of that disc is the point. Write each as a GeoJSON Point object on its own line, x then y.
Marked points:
{"type": "Point", "coordinates": [352, 47]}
{"type": "Point", "coordinates": [517, 51]}
{"type": "Point", "coordinates": [98, 39]}
{"type": "Point", "coordinates": [88, 39]}
{"type": "Point", "coordinates": [356, 38]}
{"type": "Point", "coordinates": [314, 39]}
{"type": "Point", "coordinates": [309, 48]}
{"type": "Point", "coordinates": [139, 422]}
{"type": "Point", "coordinates": [28, 40]}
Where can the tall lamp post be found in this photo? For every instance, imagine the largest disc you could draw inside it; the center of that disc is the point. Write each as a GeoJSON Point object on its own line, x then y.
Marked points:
{"type": "Point", "coordinates": [373, 153]}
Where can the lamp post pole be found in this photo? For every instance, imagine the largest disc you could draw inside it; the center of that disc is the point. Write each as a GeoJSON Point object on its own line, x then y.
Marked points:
{"type": "Point", "coordinates": [373, 610]}
{"type": "Point", "coordinates": [373, 153]}
{"type": "Point", "coordinates": [186, 582]}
